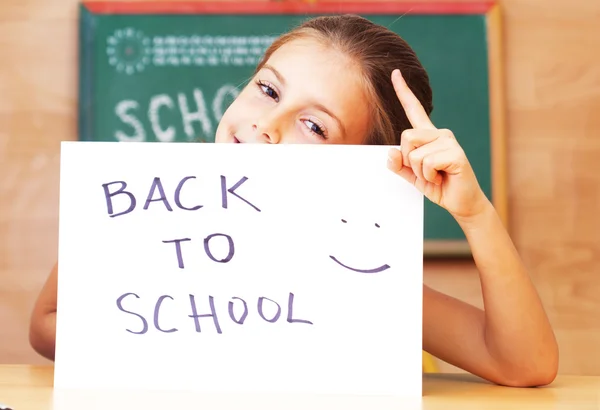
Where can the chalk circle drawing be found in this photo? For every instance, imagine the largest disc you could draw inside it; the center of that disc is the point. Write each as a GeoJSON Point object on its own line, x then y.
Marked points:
{"type": "Point", "coordinates": [372, 270]}
{"type": "Point", "coordinates": [128, 50]}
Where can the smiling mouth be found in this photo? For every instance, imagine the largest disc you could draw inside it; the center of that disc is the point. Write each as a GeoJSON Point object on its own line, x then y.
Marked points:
{"type": "Point", "coordinates": [375, 270]}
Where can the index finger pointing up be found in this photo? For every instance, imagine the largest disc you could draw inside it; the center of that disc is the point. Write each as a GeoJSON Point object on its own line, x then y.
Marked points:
{"type": "Point", "coordinates": [412, 106]}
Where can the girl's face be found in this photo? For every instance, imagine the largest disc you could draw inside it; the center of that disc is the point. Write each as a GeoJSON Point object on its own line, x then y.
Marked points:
{"type": "Point", "coordinates": [305, 93]}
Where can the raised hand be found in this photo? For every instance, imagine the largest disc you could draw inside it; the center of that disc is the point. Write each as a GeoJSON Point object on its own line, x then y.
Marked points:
{"type": "Point", "coordinates": [432, 160]}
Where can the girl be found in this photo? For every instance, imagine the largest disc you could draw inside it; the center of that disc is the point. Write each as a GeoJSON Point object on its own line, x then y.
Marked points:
{"type": "Point", "coordinates": [345, 80]}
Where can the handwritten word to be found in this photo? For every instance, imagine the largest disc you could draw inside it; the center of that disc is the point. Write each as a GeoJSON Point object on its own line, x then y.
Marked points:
{"type": "Point", "coordinates": [230, 252]}
{"type": "Point", "coordinates": [240, 319]}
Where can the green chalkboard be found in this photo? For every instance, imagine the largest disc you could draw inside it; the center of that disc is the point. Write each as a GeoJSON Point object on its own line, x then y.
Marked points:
{"type": "Point", "coordinates": [167, 71]}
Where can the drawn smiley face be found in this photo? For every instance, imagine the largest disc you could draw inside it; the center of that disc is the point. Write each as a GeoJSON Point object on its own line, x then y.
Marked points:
{"type": "Point", "coordinates": [372, 270]}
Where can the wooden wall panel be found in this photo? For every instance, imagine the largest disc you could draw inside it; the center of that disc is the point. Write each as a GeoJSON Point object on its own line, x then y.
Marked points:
{"type": "Point", "coordinates": [552, 68]}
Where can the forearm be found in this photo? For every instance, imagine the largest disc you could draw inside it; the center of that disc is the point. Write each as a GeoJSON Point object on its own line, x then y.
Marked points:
{"type": "Point", "coordinates": [517, 332]}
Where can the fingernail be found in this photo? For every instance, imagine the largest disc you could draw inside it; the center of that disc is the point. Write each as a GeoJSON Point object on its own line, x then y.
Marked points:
{"type": "Point", "coordinates": [390, 165]}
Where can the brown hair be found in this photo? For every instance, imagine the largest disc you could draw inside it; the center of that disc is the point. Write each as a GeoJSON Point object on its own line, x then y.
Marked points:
{"type": "Point", "coordinates": [378, 51]}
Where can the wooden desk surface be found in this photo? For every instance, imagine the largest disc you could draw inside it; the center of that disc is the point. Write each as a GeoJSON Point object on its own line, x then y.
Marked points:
{"type": "Point", "coordinates": [30, 387]}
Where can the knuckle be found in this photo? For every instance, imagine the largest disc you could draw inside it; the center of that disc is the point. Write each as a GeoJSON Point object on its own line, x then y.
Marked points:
{"type": "Point", "coordinates": [408, 135]}
{"type": "Point", "coordinates": [446, 133]}
{"type": "Point", "coordinates": [429, 161]}
{"type": "Point", "coordinates": [462, 159]}
{"type": "Point", "coordinates": [414, 156]}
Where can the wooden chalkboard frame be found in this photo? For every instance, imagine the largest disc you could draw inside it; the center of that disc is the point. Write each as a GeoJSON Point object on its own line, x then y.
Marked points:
{"type": "Point", "coordinates": [489, 9]}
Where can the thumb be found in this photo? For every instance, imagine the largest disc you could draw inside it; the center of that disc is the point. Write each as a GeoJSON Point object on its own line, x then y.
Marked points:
{"type": "Point", "coordinates": [395, 161]}
{"type": "Point", "coordinates": [396, 165]}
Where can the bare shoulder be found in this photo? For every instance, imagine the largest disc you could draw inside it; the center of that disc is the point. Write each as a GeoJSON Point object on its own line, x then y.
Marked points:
{"type": "Point", "coordinates": [46, 300]}
{"type": "Point", "coordinates": [42, 327]}
{"type": "Point", "coordinates": [47, 297]}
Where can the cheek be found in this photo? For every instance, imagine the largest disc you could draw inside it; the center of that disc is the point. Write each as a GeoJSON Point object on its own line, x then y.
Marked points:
{"type": "Point", "coordinates": [240, 110]}
{"type": "Point", "coordinates": [230, 122]}
{"type": "Point", "coordinates": [361, 128]}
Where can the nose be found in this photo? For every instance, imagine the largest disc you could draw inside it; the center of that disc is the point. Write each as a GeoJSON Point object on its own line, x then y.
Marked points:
{"type": "Point", "coordinates": [267, 129]}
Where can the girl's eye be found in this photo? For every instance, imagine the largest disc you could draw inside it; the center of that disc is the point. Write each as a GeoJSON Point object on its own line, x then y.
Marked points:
{"type": "Point", "coordinates": [268, 90]}
{"type": "Point", "coordinates": [315, 128]}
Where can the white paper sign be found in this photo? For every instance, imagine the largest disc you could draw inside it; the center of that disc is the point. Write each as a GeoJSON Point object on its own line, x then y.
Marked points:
{"type": "Point", "coordinates": [238, 267]}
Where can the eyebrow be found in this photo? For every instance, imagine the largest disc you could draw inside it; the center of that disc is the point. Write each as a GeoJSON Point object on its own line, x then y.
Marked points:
{"type": "Point", "coordinates": [318, 106]}
{"type": "Point", "coordinates": [277, 73]}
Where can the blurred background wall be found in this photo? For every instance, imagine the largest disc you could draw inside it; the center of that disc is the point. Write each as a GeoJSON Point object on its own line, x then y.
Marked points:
{"type": "Point", "coordinates": [552, 66]}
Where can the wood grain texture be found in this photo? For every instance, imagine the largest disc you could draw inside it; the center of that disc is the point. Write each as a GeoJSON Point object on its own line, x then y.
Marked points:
{"type": "Point", "coordinates": [30, 387]}
{"type": "Point", "coordinates": [552, 94]}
